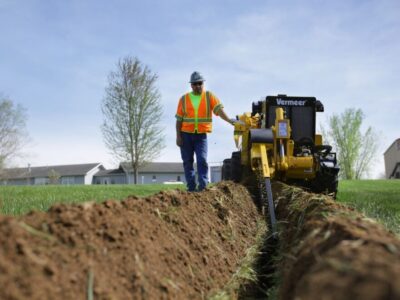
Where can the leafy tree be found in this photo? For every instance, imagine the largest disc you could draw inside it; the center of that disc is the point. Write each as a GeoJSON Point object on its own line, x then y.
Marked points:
{"type": "Point", "coordinates": [355, 150]}
{"type": "Point", "coordinates": [13, 133]}
{"type": "Point", "coordinates": [132, 112]}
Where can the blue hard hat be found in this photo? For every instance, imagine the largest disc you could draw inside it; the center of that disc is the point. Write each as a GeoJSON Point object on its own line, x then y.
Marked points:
{"type": "Point", "coordinates": [196, 77]}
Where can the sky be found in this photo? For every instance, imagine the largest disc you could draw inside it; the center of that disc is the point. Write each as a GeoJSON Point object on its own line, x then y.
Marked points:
{"type": "Point", "coordinates": [55, 57]}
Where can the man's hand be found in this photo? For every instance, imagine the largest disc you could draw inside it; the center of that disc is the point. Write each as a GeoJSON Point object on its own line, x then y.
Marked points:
{"type": "Point", "coordinates": [179, 141]}
{"type": "Point", "coordinates": [232, 121]}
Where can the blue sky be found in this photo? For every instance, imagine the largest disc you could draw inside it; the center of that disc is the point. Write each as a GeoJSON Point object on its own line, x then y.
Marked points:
{"type": "Point", "coordinates": [55, 57]}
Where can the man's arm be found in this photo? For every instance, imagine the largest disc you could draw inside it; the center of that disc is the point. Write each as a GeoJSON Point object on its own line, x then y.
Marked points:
{"type": "Point", "coordinates": [179, 141]}
{"type": "Point", "coordinates": [223, 116]}
{"type": "Point", "coordinates": [218, 109]}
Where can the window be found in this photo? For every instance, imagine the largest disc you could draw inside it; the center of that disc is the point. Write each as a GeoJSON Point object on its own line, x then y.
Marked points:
{"type": "Point", "coordinates": [154, 178]}
{"type": "Point", "coordinates": [41, 180]}
{"type": "Point", "coordinates": [68, 180]}
{"type": "Point", "coordinates": [178, 178]}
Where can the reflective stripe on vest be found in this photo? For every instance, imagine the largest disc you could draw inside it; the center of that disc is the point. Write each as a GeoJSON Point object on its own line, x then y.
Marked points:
{"type": "Point", "coordinates": [208, 112]}
{"type": "Point", "coordinates": [183, 105]}
{"type": "Point", "coordinates": [199, 120]}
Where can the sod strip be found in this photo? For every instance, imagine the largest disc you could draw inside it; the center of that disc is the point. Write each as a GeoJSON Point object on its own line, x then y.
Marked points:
{"type": "Point", "coordinates": [330, 251]}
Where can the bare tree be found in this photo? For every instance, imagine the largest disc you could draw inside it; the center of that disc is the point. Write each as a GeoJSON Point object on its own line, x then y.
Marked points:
{"type": "Point", "coordinates": [356, 150]}
{"type": "Point", "coordinates": [13, 133]}
{"type": "Point", "coordinates": [54, 177]}
{"type": "Point", "coordinates": [132, 112]}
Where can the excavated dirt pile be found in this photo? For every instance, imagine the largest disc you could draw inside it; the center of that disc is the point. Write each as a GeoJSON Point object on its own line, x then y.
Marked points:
{"type": "Point", "coordinates": [173, 245]}
{"type": "Point", "coordinates": [329, 251]}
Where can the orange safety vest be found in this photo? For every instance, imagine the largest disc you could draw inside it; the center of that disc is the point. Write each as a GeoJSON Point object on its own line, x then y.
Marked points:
{"type": "Point", "coordinates": [186, 114]}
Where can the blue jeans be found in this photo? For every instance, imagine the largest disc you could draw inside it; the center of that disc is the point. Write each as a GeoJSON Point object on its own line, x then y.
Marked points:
{"type": "Point", "coordinates": [195, 143]}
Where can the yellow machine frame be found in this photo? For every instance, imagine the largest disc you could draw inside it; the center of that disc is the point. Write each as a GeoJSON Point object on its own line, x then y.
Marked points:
{"type": "Point", "coordinates": [274, 159]}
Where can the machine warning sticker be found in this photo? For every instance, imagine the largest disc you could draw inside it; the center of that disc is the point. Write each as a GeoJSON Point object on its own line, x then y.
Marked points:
{"type": "Point", "coordinates": [282, 129]}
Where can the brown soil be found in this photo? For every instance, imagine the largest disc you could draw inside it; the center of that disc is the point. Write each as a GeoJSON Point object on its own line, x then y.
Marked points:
{"type": "Point", "coordinates": [177, 245]}
{"type": "Point", "coordinates": [329, 251]}
{"type": "Point", "coordinates": [173, 245]}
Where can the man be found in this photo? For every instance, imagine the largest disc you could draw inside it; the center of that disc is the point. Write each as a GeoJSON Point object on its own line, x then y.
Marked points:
{"type": "Point", "coordinates": [193, 122]}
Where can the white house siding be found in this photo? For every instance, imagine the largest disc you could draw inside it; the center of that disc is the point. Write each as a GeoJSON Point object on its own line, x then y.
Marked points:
{"type": "Point", "coordinates": [41, 181]}
{"type": "Point", "coordinates": [392, 157]}
{"type": "Point", "coordinates": [67, 180]}
{"type": "Point", "coordinates": [17, 182]}
{"type": "Point", "coordinates": [110, 179]}
{"type": "Point", "coordinates": [215, 174]}
{"type": "Point", "coordinates": [147, 178]}
{"type": "Point", "coordinates": [79, 179]}
{"type": "Point", "coordinates": [119, 179]}
{"type": "Point", "coordinates": [89, 176]}
{"type": "Point", "coordinates": [72, 180]}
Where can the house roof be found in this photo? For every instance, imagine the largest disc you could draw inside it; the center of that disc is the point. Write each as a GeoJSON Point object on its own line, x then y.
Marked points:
{"type": "Point", "coordinates": [156, 167]}
{"type": "Point", "coordinates": [111, 172]}
{"type": "Point", "coordinates": [43, 171]}
{"type": "Point", "coordinates": [396, 140]}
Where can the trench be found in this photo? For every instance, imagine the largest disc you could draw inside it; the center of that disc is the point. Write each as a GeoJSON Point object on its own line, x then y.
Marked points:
{"type": "Point", "coordinates": [325, 251]}
{"type": "Point", "coordinates": [265, 268]}
{"type": "Point", "coordinates": [265, 264]}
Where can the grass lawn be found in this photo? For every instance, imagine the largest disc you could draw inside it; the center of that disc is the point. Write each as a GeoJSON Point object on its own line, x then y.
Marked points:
{"type": "Point", "coordinates": [378, 199]}
{"type": "Point", "coordinates": [17, 200]}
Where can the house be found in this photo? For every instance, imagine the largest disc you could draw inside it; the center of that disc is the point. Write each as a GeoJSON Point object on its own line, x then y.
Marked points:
{"type": "Point", "coordinates": [95, 173]}
{"type": "Point", "coordinates": [157, 172]}
{"type": "Point", "coordinates": [392, 160]}
{"type": "Point", "coordinates": [215, 172]}
{"type": "Point", "coordinates": [63, 174]}
{"type": "Point", "coordinates": [154, 172]}
{"type": "Point", "coordinates": [113, 176]}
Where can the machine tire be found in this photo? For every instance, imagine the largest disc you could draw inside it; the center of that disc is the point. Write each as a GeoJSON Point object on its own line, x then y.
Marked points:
{"type": "Point", "coordinates": [226, 169]}
{"type": "Point", "coordinates": [236, 166]}
{"type": "Point", "coordinates": [326, 184]}
{"type": "Point", "coordinates": [333, 186]}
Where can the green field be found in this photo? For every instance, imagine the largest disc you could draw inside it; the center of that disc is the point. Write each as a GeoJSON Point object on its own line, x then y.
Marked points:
{"type": "Point", "coordinates": [17, 200]}
{"type": "Point", "coordinates": [378, 199]}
